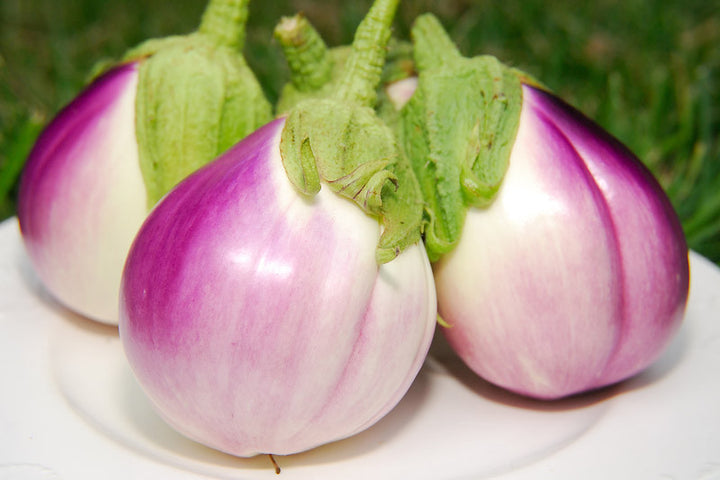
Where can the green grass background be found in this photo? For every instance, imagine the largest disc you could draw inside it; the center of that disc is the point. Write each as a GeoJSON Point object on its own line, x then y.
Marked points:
{"type": "Point", "coordinates": [646, 70]}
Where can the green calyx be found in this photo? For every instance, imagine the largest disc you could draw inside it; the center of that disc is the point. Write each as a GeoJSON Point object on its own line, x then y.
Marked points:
{"type": "Point", "coordinates": [340, 141]}
{"type": "Point", "coordinates": [196, 97]}
{"type": "Point", "coordinates": [458, 130]}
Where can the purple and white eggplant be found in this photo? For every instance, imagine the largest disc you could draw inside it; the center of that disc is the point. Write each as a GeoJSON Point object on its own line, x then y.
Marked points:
{"type": "Point", "coordinates": [172, 105]}
{"type": "Point", "coordinates": [559, 262]}
{"type": "Point", "coordinates": [263, 314]}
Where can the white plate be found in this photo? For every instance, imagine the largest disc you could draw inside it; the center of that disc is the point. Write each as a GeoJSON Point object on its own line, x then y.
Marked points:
{"type": "Point", "coordinates": [71, 409]}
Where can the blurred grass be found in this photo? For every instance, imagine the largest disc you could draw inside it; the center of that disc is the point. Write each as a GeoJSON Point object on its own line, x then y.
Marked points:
{"type": "Point", "coordinates": [646, 70]}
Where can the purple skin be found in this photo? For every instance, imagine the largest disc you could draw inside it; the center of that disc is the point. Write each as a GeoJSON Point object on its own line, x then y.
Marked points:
{"type": "Point", "coordinates": [257, 320]}
{"type": "Point", "coordinates": [82, 197]}
{"type": "Point", "coordinates": [577, 276]}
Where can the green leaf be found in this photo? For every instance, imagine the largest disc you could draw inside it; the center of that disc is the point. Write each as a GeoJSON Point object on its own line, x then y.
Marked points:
{"type": "Point", "coordinates": [357, 157]}
{"type": "Point", "coordinates": [196, 97]}
{"type": "Point", "coordinates": [191, 105]}
{"type": "Point", "coordinates": [491, 140]}
{"type": "Point", "coordinates": [457, 131]}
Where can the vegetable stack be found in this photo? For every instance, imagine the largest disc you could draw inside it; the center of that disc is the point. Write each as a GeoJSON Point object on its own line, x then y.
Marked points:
{"type": "Point", "coordinates": [285, 275]}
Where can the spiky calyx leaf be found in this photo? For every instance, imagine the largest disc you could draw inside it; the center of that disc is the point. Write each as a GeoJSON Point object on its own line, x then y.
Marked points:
{"type": "Point", "coordinates": [196, 97]}
{"type": "Point", "coordinates": [457, 130]}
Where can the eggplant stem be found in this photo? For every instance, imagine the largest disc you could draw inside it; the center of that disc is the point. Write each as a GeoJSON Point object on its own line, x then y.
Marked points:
{"type": "Point", "coordinates": [305, 51]}
{"type": "Point", "coordinates": [224, 21]}
{"type": "Point", "coordinates": [369, 48]}
{"type": "Point", "coordinates": [275, 464]}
